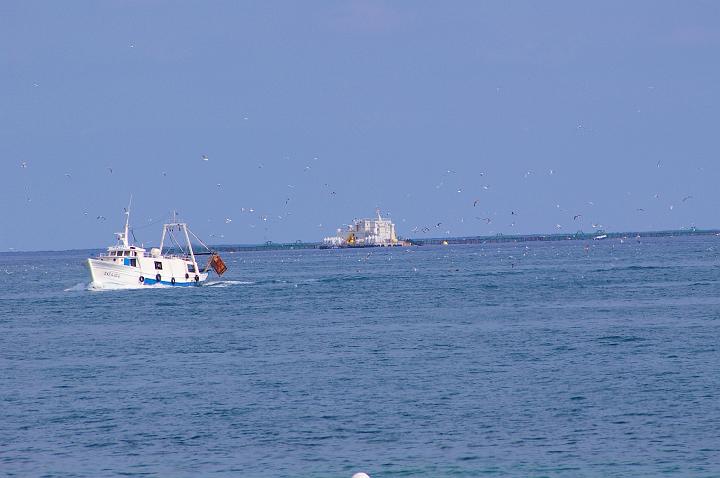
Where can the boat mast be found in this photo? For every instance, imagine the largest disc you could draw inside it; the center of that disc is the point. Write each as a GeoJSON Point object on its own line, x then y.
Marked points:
{"type": "Point", "coordinates": [127, 223]}
{"type": "Point", "coordinates": [168, 227]}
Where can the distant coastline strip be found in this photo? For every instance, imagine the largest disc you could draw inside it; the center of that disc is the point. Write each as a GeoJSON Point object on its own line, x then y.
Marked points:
{"type": "Point", "coordinates": [498, 238]}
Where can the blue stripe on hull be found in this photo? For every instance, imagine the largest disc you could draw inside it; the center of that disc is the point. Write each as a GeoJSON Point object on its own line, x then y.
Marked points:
{"type": "Point", "coordinates": [176, 284]}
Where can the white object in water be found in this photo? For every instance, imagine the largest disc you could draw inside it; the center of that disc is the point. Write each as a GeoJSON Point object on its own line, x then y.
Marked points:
{"type": "Point", "coordinates": [127, 265]}
{"type": "Point", "coordinates": [361, 475]}
{"type": "Point", "coordinates": [365, 232]}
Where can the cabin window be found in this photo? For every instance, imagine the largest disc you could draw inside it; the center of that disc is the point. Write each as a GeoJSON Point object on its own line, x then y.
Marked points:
{"type": "Point", "coordinates": [191, 267]}
{"type": "Point", "coordinates": [133, 262]}
{"type": "Point", "coordinates": [111, 253]}
{"type": "Point", "coordinates": [134, 253]}
{"type": "Point", "coordinates": [158, 265]}
{"type": "Point", "coordinates": [127, 253]}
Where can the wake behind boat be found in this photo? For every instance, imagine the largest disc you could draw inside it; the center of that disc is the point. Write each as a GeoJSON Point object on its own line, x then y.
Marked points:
{"type": "Point", "coordinates": [127, 265]}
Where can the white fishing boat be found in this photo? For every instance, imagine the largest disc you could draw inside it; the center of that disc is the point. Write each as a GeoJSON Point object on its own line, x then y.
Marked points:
{"type": "Point", "coordinates": [129, 265]}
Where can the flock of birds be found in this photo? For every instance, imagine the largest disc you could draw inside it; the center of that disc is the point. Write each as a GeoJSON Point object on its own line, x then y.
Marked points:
{"type": "Point", "coordinates": [507, 220]}
{"type": "Point", "coordinates": [492, 221]}
{"type": "Point", "coordinates": [490, 218]}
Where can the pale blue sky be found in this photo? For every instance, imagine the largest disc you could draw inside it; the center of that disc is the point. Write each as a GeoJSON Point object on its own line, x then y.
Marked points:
{"type": "Point", "coordinates": [374, 101]}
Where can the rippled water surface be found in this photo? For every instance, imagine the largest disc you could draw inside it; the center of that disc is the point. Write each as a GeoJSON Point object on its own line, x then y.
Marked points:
{"type": "Point", "coordinates": [529, 359]}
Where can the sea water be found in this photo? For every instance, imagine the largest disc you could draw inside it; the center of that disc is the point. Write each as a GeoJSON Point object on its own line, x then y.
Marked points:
{"type": "Point", "coordinates": [570, 358]}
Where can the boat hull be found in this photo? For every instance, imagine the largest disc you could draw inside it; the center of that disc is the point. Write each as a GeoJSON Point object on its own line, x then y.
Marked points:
{"type": "Point", "coordinates": [108, 274]}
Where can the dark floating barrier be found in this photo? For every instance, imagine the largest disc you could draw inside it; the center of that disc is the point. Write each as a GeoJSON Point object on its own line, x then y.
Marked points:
{"type": "Point", "coordinates": [578, 236]}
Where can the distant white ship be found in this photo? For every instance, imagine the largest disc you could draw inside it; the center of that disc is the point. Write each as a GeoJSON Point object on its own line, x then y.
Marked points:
{"type": "Point", "coordinates": [127, 265]}
{"type": "Point", "coordinates": [375, 232]}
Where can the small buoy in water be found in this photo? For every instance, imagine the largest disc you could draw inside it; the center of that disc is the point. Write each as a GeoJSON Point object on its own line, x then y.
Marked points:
{"type": "Point", "coordinates": [361, 475]}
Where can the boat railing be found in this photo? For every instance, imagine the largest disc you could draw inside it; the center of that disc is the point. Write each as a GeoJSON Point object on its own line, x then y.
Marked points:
{"type": "Point", "coordinates": [175, 256]}
{"type": "Point", "coordinates": [148, 255]}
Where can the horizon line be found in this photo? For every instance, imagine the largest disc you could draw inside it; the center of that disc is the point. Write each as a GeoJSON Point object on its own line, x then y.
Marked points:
{"type": "Point", "coordinates": [456, 240]}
